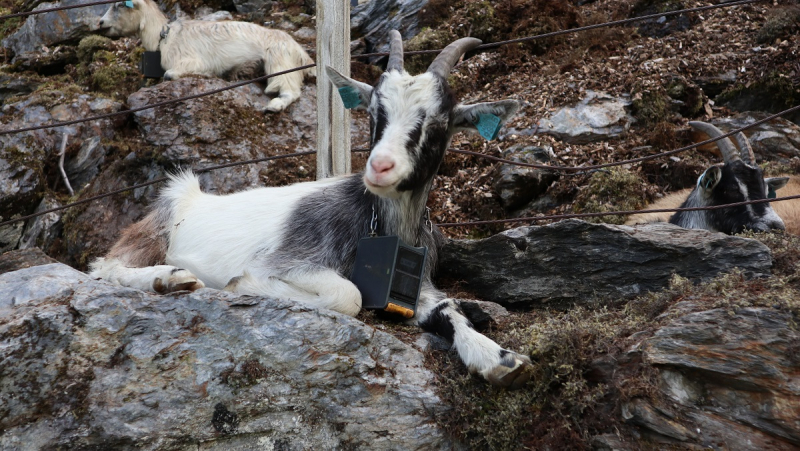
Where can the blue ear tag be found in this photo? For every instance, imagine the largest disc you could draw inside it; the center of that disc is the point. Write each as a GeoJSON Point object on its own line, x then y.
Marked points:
{"type": "Point", "coordinates": [350, 97]}
{"type": "Point", "coordinates": [488, 126]}
{"type": "Point", "coordinates": [771, 194]}
{"type": "Point", "coordinates": [129, 3]}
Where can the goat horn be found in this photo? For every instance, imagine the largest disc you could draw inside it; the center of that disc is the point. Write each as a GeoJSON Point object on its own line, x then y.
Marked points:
{"type": "Point", "coordinates": [726, 147]}
{"type": "Point", "coordinates": [745, 149]}
{"type": "Point", "coordinates": [448, 57]}
{"type": "Point", "coordinates": [395, 52]}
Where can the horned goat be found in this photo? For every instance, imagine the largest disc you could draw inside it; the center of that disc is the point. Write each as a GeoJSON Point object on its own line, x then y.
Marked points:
{"type": "Point", "coordinates": [212, 48]}
{"type": "Point", "coordinates": [299, 241]}
{"type": "Point", "coordinates": [739, 179]}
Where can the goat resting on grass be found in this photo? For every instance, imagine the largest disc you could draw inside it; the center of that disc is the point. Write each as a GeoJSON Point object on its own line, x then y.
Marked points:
{"type": "Point", "coordinates": [739, 179]}
{"type": "Point", "coordinates": [212, 48]}
{"type": "Point", "coordinates": [299, 241]}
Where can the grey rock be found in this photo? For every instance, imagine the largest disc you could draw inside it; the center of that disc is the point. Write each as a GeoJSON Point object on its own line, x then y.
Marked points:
{"type": "Point", "coordinates": [252, 6]}
{"type": "Point", "coordinates": [519, 185]}
{"type": "Point", "coordinates": [777, 140]}
{"type": "Point", "coordinates": [86, 363]}
{"type": "Point", "coordinates": [23, 156]}
{"type": "Point", "coordinates": [743, 363]}
{"type": "Point", "coordinates": [48, 29]}
{"type": "Point", "coordinates": [43, 230]}
{"type": "Point", "coordinates": [573, 261]}
{"type": "Point", "coordinates": [23, 258]}
{"type": "Point", "coordinates": [15, 85]}
{"type": "Point", "coordinates": [640, 412]}
{"type": "Point", "coordinates": [596, 117]}
{"type": "Point", "coordinates": [374, 19]}
{"type": "Point", "coordinates": [85, 166]}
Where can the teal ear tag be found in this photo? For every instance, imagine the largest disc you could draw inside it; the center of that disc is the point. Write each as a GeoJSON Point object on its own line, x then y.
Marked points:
{"type": "Point", "coordinates": [772, 194]}
{"type": "Point", "coordinates": [129, 3]}
{"type": "Point", "coordinates": [488, 126]}
{"type": "Point", "coordinates": [350, 97]}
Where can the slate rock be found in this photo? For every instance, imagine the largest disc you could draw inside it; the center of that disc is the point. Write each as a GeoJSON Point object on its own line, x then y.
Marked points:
{"type": "Point", "coordinates": [777, 140]}
{"type": "Point", "coordinates": [573, 261]}
{"type": "Point", "coordinates": [85, 364]}
{"type": "Point", "coordinates": [373, 20]}
{"type": "Point", "coordinates": [518, 185]}
{"type": "Point", "coordinates": [597, 117]}
{"type": "Point", "coordinates": [733, 374]}
{"type": "Point", "coordinates": [50, 29]}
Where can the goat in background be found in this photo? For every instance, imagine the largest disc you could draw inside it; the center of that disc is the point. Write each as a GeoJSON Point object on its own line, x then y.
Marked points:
{"type": "Point", "coordinates": [299, 241]}
{"type": "Point", "coordinates": [738, 179]}
{"type": "Point", "coordinates": [212, 48]}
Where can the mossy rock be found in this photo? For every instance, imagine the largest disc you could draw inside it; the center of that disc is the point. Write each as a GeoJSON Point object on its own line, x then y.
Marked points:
{"type": "Point", "coordinates": [614, 190]}
{"type": "Point", "coordinates": [427, 39]}
{"type": "Point", "coordinates": [780, 24]}
{"type": "Point", "coordinates": [651, 106]}
{"type": "Point", "coordinates": [91, 44]}
{"type": "Point", "coordinates": [773, 93]}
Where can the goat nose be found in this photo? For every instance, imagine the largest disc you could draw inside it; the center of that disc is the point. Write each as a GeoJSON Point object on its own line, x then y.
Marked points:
{"type": "Point", "coordinates": [382, 165]}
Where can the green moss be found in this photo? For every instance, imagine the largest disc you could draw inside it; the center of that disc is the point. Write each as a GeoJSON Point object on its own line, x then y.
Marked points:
{"type": "Point", "coordinates": [780, 24]}
{"type": "Point", "coordinates": [8, 26]}
{"type": "Point", "coordinates": [613, 190]}
{"type": "Point", "coordinates": [91, 44]}
{"type": "Point", "coordinates": [773, 93]}
{"type": "Point", "coordinates": [109, 78]}
{"type": "Point", "coordinates": [650, 106]}
{"type": "Point", "coordinates": [427, 39]}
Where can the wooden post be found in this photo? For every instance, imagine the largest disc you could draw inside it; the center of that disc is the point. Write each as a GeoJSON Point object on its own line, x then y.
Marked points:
{"type": "Point", "coordinates": [333, 120]}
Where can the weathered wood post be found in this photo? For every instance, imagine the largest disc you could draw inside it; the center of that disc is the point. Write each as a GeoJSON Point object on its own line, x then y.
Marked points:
{"type": "Point", "coordinates": [333, 120]}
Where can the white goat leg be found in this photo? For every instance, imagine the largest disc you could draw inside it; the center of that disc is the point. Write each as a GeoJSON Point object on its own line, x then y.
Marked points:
{"type": "Point", "coordinates": [161, 278]}
{"type": "Point", "coordinates": [479, 353]}
{"type": "Point", "coordinates": [319, 287]}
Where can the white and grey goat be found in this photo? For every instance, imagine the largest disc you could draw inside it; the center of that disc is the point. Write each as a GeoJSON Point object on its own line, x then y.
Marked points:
{"type": "Point", "coordinates": [299, 241]}
{"type": "Point", "coordinates": [738, 179]}
{"type": "Point", "coordinates": [212, 48]}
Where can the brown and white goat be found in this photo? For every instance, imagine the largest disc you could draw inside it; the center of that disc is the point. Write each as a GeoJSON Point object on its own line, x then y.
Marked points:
{"type": "Point", "coordinates": [299, 241]}
{"type": "Point", "coordinates": [212, 48]}
{"type": "Point", "coordinates": [738, 179]}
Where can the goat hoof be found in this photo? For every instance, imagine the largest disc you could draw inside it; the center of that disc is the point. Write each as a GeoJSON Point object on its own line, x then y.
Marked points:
{"type": "Point", "coordinates": [178, 280]}
{"type": "Point", "coordinates": [276, 105]}
{"type": "Point", "coordinates": [512, 373]}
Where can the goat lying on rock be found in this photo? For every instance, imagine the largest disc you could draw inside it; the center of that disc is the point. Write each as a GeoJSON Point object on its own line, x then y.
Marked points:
{"type": "Point", "coordinates": [299, 241]}
{"type": "Point", "coordinates": [212, 48]}
{"type": "Point", "coordinates": [739, 179]}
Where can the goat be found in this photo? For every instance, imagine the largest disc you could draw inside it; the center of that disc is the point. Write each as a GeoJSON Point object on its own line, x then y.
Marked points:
{"type": "Point", "coordinates": [211, 48]}
{"type": "Point", "coordinates": [299, 241]}
{"type": "Point", "coordinates": [738, 179]}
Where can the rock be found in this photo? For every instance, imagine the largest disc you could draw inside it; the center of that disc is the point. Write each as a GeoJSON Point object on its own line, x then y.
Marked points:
{"type": "Point", "coordinates": [642, 413]}
{"type": "Point", "coordinates": [42, 231]}
{"type": "Point", "coordinates": [87, 363]}
{"type": "Point", "coordinates": [24, 155]}
{"type": "Point", "coordinates": [777, 140]}
{"type": "Point", "coordinates": [574, 261]}
{"type": "Point", "coordinates": [15, 85]}
{"type": "Point", "coordinates": [48, 29]}
{"type": "Point", "coordinates": [374, 19]}
{"type": "Point", "coordinates": [518, 185]}
{"type": "Point", "coordinates": [252, 6]}
{"type": "Point", "coordinates": [596, 117]}
{"type": "Point", "coordinates": [84, 166]}
{"type": "Point", "coordinates": [23, 258]}
{"type": "Point", "coordinates": [733, 375]}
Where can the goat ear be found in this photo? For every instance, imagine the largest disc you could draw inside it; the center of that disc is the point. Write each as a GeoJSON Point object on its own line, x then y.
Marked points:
{"type": "Point", "coordinates": [484, 118]}
{"type": "Point", "coordinates": [709, 179]}
{"type": "Point", "coordinates": [774, 184]}
{"type": "Point", "coordinates": [354, 94]}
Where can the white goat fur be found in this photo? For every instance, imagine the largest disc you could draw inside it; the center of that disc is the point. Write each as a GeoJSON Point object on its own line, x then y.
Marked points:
{"type": "Point", "coordinates": [787, 210]}
{"type": "Point", "coordinates": [213, 48]}
{"type": "Point", "coordinates": [296, 242]}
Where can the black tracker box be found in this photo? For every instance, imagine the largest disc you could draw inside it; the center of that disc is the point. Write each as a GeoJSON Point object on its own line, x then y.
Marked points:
{"type": "Point", "coordinates": [150, 65]}
{"type": "Point", "coordinates": [388, 273]}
